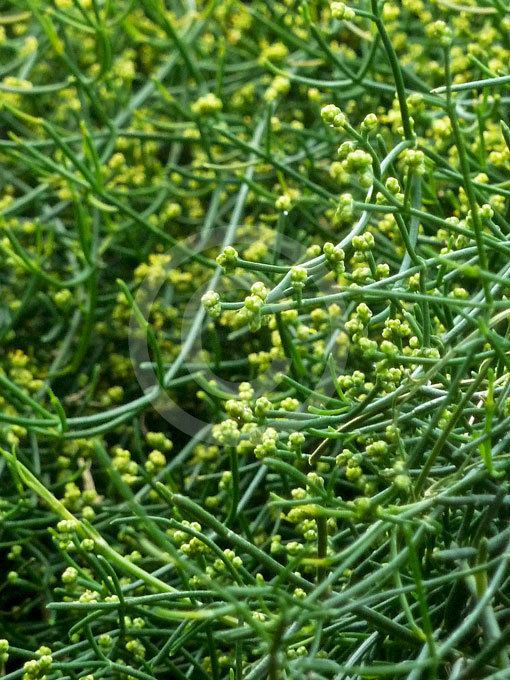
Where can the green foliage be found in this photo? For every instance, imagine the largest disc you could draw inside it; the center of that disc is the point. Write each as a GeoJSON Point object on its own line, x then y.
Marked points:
{"type": "Point", "coordinates": [254, 370]}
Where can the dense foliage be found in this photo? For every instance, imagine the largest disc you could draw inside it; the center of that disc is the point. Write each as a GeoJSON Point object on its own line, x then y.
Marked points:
{"type": "Point", "coordinates": [255, 357]}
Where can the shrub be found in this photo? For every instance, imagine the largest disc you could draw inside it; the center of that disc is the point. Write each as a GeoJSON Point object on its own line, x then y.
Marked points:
{"type": "Point", "coordinates": [254, 368]}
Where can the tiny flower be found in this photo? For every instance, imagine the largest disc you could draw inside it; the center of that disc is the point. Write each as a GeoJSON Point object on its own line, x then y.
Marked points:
{"type": "Point", "coordinates": [211, 302]}
{"type": "Point", "coordinates": [227, 258]}
{"type": "Point", "coordinates": [369, 123]}
{"type": "Point", "coordinates": [439, 32]}
{"type": "Point", "coordinates": [340, 11]}
{"type": "Point", "coordinates": [329, 112]}
{"type": "Point", "coordinates": [298, 276]}
{"type": "Point", "coordinates": [207, 105]}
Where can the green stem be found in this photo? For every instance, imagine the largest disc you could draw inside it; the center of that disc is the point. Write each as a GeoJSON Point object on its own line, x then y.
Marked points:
{"type": "Point", "coordinates": [397, 71]}
{"type": "Point", "coordinates": [466, 174]}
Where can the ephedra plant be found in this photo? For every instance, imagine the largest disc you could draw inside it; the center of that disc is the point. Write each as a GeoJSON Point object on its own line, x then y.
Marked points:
{"type": "Point", "coordinates": [255, 359]}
